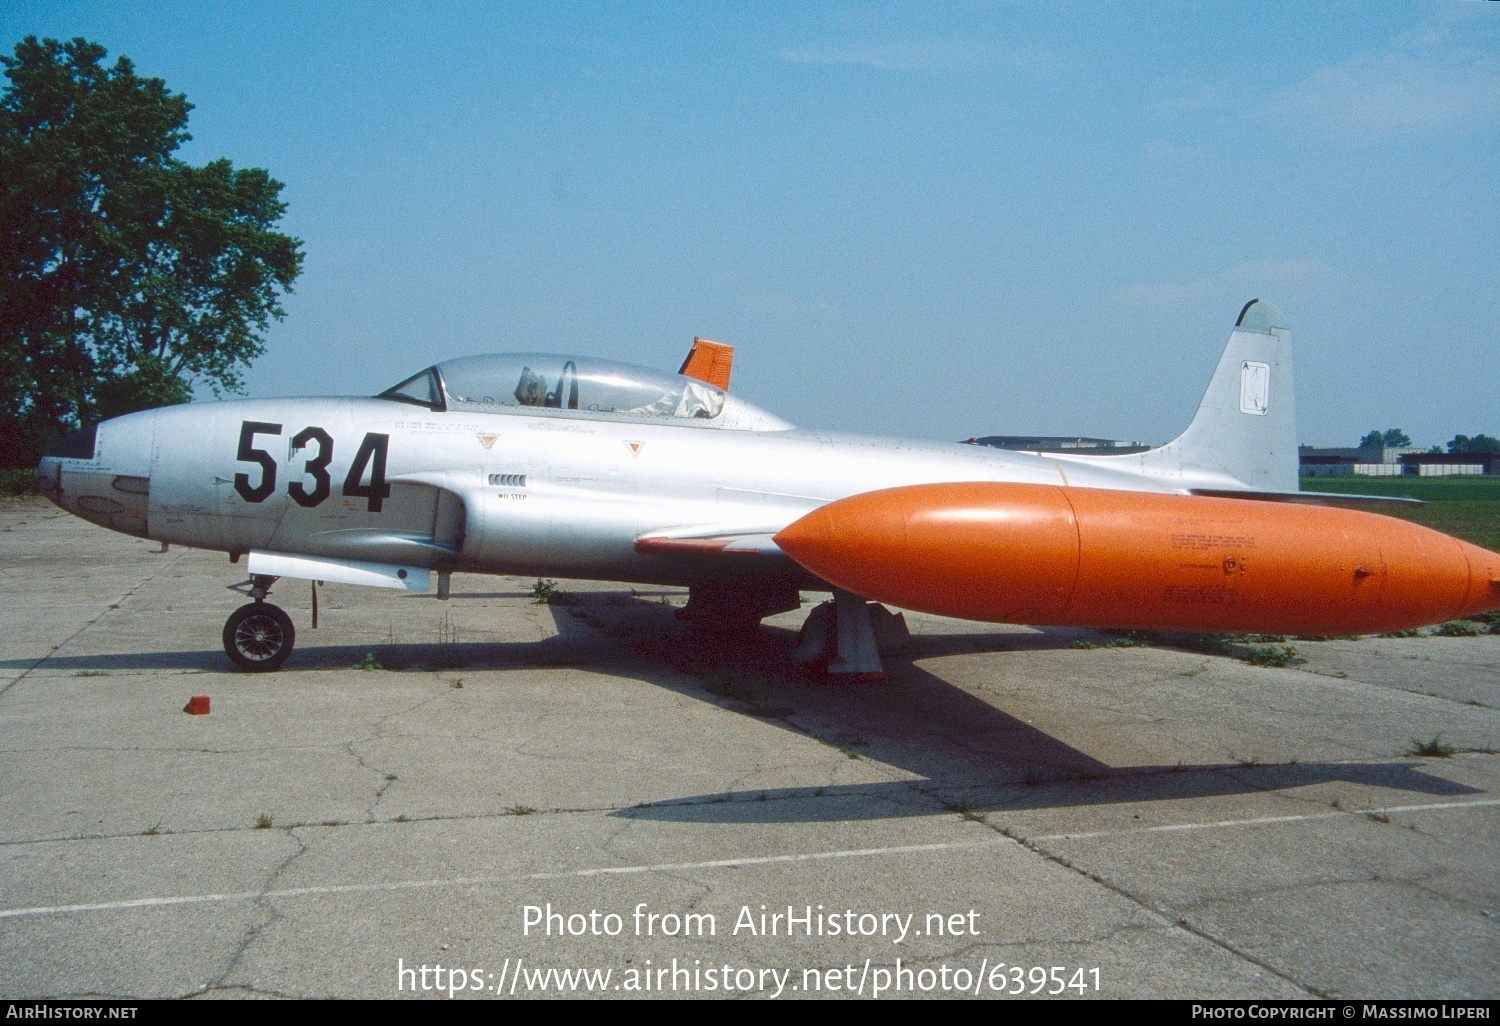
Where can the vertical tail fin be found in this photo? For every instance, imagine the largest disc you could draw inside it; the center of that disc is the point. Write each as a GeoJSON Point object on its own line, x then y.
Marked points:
{"type": "Point", "coordinates": [1244, 435]}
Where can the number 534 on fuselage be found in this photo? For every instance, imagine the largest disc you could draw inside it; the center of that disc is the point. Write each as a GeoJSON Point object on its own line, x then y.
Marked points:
{"type": "Point", "coordinates": [564, 466]}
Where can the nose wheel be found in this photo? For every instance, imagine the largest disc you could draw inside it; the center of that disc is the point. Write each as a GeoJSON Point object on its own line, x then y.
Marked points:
{"type": "Point", "coordinates": [259, 637]}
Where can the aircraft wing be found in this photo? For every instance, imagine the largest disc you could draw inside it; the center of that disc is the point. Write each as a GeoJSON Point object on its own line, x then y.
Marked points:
{"type": "Point", "coordinates": [698, 541]}
{"type": "Point", "coordinates": [1374, 503]}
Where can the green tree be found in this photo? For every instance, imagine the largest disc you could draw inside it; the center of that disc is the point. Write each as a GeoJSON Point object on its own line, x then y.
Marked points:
{"type": "Point", "coordinates": [1479, 443]}
{"type": "Point", "coordinates": [126, 275]}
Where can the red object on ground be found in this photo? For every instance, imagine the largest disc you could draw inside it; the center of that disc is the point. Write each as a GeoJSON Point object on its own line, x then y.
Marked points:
{"type": "Point", "coordinates": [197, 706]}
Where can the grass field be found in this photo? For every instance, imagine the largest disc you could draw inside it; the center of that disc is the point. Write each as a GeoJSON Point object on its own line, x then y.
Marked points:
{"type": "Point", "coordinates": [1465, 507]}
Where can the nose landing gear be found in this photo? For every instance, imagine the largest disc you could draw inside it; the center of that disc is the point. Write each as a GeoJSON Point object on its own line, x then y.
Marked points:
{"type": "Point", "coordinates": [259, 636]}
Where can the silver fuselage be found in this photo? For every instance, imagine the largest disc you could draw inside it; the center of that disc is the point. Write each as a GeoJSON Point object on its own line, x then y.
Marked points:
{"type": "Point", "coordinates": [535, 492]}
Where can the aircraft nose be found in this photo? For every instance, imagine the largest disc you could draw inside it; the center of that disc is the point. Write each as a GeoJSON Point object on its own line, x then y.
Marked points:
{"type": "Point", "coordinates": [77, 446]}
{"type": "Point", "coordinates": [103, 472]}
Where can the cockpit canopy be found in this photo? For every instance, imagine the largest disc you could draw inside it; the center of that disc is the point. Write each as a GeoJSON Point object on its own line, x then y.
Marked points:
{"type": "Point", "coordinates": [558, 382]}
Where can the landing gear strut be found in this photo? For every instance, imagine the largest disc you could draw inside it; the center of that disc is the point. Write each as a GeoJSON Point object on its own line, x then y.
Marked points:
{"type": "Point", "coordinates": [259, 636]}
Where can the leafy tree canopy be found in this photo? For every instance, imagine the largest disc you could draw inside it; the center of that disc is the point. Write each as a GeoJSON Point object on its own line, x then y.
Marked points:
{"type": "Point", "coordinates": [1479, 443]}
{"type": "Point", "coordinates": [126, 275]}
{"type": "Point", "coordinates": [1393, 438]}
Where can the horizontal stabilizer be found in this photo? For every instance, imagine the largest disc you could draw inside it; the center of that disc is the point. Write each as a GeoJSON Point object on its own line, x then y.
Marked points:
{"type": "Point", "coordinates": [1373, 503]}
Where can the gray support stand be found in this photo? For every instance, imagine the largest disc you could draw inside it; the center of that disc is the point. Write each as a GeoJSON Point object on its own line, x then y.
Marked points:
{"type": "Point", "coordinates": [857, 655]}
{"type": "Point", "coordinates": [815, 646]}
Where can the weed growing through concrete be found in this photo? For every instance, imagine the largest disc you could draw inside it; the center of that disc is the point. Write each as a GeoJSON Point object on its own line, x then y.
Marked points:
{"type": "Point", "coordinates": [263, 822]}
{"type": "Point", "coordinates": [92, 673]}
{"type": "Point", "coordinates": [1412, 632]}
{"type": "Point", "coordinates": [390, 776]}
{"type": "Point", "coordinates": [1437, 748]}
{"type": "Point", "coordinates": [848, 751]}
{"type": "Point", "coordinates": [1271, 655]}
{"type": "Point", "coordinates": [1457, 629]}
{"type": "Point", "coordinates": [542, 592]}
{"type": "Point", "coordinates": [457, 684]}
{"type": "Point", "coordinates": [447, 645]}
{"type": "Point", "coordinates": [1209, 644]}
{"type": "Point", "coordinates": [521, 810]}
{"type": "Point", "coordinates": [369, 662]}
{"type": "Point", "coordinates": [1377, 817]}
{"type": "Point", "coordinates": [966, 811]}
{"type": "Point", "coordinates": [152, 830]}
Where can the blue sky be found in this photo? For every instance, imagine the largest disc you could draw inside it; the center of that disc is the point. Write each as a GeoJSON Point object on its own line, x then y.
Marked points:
{"type": "Point", "coordinates": [911, 219]}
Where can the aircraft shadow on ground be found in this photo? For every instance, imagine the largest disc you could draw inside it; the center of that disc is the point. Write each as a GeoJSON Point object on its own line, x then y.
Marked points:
{"type": "Point", "coordinates": [962, 751]}
{"type": "Point", "coordinates": [1126, 785]}
{"type": "Point", "coordinates": [966, 753]}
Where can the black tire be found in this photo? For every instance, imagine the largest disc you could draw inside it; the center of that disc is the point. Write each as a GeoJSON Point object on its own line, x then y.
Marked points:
{"type": "Point", "coordinates": [259, 637]}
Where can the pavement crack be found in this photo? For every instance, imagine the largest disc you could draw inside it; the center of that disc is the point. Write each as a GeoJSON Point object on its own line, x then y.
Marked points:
{"type": "Point", "coordinates": [1165, 915]}
{"type": "Point", "coordinates": [378, 729]}
{"type": "Point", "coordinates": [270, 915]}
{"type": "Point", "coordinates": [242, 988]}
{"type": "Point", "coordinates": [102, 614]}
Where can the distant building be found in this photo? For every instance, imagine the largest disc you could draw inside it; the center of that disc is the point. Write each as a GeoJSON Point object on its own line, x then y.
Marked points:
{"type": "Point", "coordinates": [1451, 464]}
{"type": "Point", "coordinates": [1057, 443]}
{"type": "Point", "coordinates": [1391, 461]}
{"type": "Point", "coordinates": [1347, 461]}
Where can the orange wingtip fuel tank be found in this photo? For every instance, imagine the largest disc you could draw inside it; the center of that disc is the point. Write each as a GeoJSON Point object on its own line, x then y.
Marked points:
{"type": "Point", "coordinates": [1083, 557]}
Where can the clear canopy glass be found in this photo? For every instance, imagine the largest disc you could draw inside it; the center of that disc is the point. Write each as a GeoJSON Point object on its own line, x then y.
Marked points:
{"type": "Point", "coordinates": [561, 383]}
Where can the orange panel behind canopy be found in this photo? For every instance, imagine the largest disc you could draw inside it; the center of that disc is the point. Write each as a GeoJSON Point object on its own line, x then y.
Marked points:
{"type": "Point", "coordinates": [710, 362]}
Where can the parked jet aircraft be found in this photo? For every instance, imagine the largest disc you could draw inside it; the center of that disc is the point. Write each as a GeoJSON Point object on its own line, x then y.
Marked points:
{"type": "Point", "coordinates": [566, 466]}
